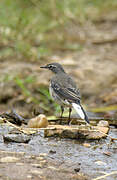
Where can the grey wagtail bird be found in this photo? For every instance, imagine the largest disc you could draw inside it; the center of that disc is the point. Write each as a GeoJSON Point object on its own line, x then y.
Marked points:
{"type": "Point", "coordinates": [64, 91]}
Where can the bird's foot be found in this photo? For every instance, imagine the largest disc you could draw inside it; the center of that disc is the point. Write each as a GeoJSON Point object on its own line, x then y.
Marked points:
{"type": "Point", "coordinates": [60, 120]}
{"type": "Point", "coordinates": [69, 122]}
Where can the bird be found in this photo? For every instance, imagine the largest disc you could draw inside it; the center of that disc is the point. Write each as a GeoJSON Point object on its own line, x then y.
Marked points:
{"type": "Point", "coordinates": [64, 91]}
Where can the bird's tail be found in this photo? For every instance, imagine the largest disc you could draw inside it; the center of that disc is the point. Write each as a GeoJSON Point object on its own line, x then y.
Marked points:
{"type": "Point", "coordinates": [79, 109]}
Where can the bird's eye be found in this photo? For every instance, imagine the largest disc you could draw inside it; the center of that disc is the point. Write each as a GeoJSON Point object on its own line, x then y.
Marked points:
{"type": "Point", "coordinates": [51, 66]}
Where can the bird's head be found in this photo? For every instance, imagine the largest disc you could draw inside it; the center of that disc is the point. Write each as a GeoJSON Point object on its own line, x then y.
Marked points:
{"type": "Point", "coordinates": [54, 67]}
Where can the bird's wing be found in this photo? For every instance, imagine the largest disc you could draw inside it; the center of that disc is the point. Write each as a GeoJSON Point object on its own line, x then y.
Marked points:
{"type": "Point", "coordinates": [70, 94]}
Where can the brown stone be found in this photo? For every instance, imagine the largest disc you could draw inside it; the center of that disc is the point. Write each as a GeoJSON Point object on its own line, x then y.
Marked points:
{"type": "Point", "coordinates": [76, 131]}
{"type": "Point", "coordinates": [38, 122]}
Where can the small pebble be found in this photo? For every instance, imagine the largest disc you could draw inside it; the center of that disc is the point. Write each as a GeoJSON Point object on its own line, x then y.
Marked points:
{"type": "Point", "coordinates": [29, 176]}
{"type": "Point", "coordinates": [86, 145]}
{"type": "Point", "coordinates": [1, 120]}
{"type": "Point", "coordinates": [9, 159]}
{"type": "Point", "coordinates": [42, 163]}
{"type": "Point", "coordinates": [52, 152]}
{"type": "Point", "coordinates": [20, 164]}
{"type": "Point", "coordinates": [36, 172]}
{"type": "Point", "coordinates": [100, 163]}
{"type": "Point", "coordinates": [40, 158]}
{"type": "Point", "coordinates": [103, 123]}
{"type": "Point", "coordinates": [37, 165]}
{"type": "Point", "coordinates": [77, 169]}
{"type": "Point", "coordinates": [107, 153]}
{"type": "Point", "coordinates": [38, 122]}
{"type": "Point", "coordinates": [43, 154]}
{"type": "Point", "coordinates": [53, 168]}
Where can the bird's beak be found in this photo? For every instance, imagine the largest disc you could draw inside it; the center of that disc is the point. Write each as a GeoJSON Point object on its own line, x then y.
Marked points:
{"type": "Point", "coordinates": [43, 67]}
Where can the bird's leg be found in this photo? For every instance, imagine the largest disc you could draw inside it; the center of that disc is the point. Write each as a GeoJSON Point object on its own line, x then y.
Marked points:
{"type": "Point", "coordinates": [62, 110]}
{"type": "Point", "coordinates": [70, 110]}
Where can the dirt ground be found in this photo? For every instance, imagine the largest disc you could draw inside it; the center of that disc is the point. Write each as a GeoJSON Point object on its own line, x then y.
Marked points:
{"type": "Point", "coordinates": [95, 71]}
{"type": "Point", "coordinates": [93, 68]}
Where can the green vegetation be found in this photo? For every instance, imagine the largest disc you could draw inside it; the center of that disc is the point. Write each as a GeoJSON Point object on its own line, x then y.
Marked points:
{"type": "Point", "coordinates": [21, 83]}
{"type": "Point", "coordinates": [41, 95]}
{"type": "Point", "coordinates": [33, 29]}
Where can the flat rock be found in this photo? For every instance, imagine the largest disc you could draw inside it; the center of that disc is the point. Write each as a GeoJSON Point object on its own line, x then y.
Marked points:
{"type": "Point", "coordinates": [19, 138]}
{"type": "Point", "coordinates": [76, 131]}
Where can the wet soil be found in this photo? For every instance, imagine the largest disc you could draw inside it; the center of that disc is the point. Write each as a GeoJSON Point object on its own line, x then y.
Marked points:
{"type": "Point", "coordinates": [55, 158]}
{"type": "Point", "coordinates": [94, 69]}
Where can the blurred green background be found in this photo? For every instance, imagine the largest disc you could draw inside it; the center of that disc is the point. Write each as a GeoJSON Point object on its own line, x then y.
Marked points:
{"type": "Point", "coordinates": [33, 28]}
{"type": "Point", "coordinates": [33, 31]}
